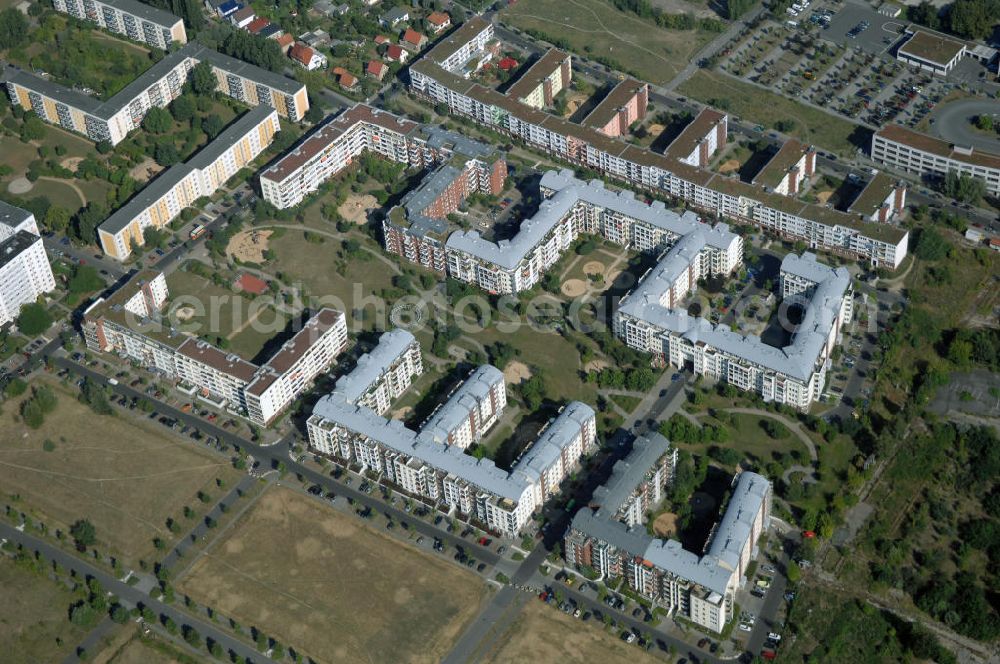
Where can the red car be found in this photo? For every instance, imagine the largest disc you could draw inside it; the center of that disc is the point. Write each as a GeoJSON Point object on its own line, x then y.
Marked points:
{"type": "Point", "coordinates": [809, 534]}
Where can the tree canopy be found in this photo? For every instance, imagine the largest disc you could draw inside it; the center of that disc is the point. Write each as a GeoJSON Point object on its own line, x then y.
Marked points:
{"type": "Point", "coordinates": [33, 319]}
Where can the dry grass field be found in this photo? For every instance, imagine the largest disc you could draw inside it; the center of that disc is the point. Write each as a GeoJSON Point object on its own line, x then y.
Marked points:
{"type": "Point", "coordinates": [33, 617]}
{"type": "Point", "coordinates": [544, 634]}
{"type": "Point", "coordinates": [325, 583]}
{"type": "Point", "coordinates": [126, 475]}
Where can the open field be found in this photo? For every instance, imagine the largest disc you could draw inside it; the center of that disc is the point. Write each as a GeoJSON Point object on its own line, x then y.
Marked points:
{"type": "Point", "coordinates": [323, 582]}
{"type": "Point", "coordinates": [144, 650]}
{"type": "Point", "coordinates": [125, 475]}
{"type": "Point", "coordinates": [544, 634]}
{"type": "Point", "coordinates": [596, 29]}
{"type": "Point", "coordinates": [756, 104]}
{"type": "Point", "coordinates": [33, 617]}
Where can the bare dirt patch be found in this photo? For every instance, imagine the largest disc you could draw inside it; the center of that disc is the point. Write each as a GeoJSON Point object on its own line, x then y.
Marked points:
{"type": "Point", "coordinates": [544, 634]}
{"type": "Point", "coordinates": [402, 413]}
{"type": "Point", "coordinates": [343, 592]}
{"type": "Point", "coordinates": [356, 208]}
{"type": "Point", "coordinates": [596, 365]}
{"type": "Point", "coordinates": [573, 101]}
{"type": "Point", "coordinates": [516, 372]}
{"type": "Point", "coordinates": [145, 171]}
{"type": "Point", "coordinates": [665, 525]}
{"type": "Point", "coordinates": [824, 196]}
{"type": "Point", "coordinates": [20, 186]}
{"type": "Point", "coordinates": [248, 246]}
{"type": "Point", "coordinates": [593, 267]}
{"type": "Point", "coordinates": [729, 166]}
{"type": "Point", "coordinates": [71, 163]}
{"type": "Point", "coordinates": [574, 287]}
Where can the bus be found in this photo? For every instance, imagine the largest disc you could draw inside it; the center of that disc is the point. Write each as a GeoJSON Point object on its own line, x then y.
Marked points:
{"type": "Point", "coordinates": [197, 231]}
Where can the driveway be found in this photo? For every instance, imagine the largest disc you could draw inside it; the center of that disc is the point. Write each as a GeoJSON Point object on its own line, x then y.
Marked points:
{"type": "Point", "coordinates": [953, 123]}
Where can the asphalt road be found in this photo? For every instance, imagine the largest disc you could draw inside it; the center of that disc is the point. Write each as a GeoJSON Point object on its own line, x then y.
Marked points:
{"type": "Point", "coordinates": [952, 122]}
{"type": "Point", "coordinates": [131, 595]}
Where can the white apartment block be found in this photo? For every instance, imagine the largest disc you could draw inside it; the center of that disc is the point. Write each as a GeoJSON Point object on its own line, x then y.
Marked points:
{"type": "Point", "coordinates": [434, 77]}
{"type": "Point", "coordinates": [470, 411]}
{"type": "Point", "coordinates": [181, 185]}
{"type": "Point", "coordinates": [25, 273]}
{"type": "Point", "coordinates": [547, 77]}
{"type": "Point", "coordinates": [650, 319]}
{"type": "Point", "coordinates": [789, 169]}
{"type": "Point", "coordinates": [925, 155]}
{"type": "Point", "coordinates": [135, 20]}
{"type": "Point", "coordinates": [700, 586]}
{"type": "Point", "coordinates": [700, 139]}
{"type": "Point", "coordinates": [572, 207]}
{"type": "Point", "coordinates": [430, 465]}
{"type": "Point", "coordinates": [159, 85]}
{"type": "Point", "coordinates": [333, 147]}
{"type": "Point", "coordinates": [382, 375]}
{"type": "Point", "coordinates": [882, 200]}
{"type": "Point", "coordinates": [129, 323]}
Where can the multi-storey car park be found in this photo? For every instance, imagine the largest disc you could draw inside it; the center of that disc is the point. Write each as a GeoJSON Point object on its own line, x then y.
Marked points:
{"type": "Point", "coordinates": [113, 119]}
{"type": "Point", "coordinates": [431, 464]}
{"type": "Point", "coordinates": [649, 319]}
{"type": "Point", "coordinates": [181, 185]}
{"type": "Point", "coordinates": [913, 152]}
{"type": "Point", "coordinates": [25, 273]}
{"type": "Point", "coordinates": [135, 20]}
{"type": "Point", "coordinates": [130, 323]}
{"type": "Point", "coordinates": [442, 76]}
{"type": "Point", "coordinates": [608, 538]}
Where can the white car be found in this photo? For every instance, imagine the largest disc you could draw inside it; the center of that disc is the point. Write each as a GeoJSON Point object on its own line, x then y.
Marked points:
{"type": "Point", "coordinates": [774, 637]}
{"type": "Point", "coordinates": [745, 627]}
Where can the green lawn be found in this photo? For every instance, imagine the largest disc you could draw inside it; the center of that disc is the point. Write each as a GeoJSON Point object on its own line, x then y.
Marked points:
{"type": "Point", "coordinates": [594, 28]}
{"type": "Point", "coordinates": [747, 436]}
{"type": "Point", "coordinates": [218, 311]}
{"type": "Point", "coordinates": [251, 340]}
{"type": "Point", "coordinates": [755, 104]}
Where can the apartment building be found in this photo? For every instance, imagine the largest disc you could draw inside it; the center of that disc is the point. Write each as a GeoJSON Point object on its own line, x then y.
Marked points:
{"type": "Point", "coordinates": [700, 139]}
{"type": "Point", "coordinates": [572, 207]}
{"type": "Point", "coordinates": [882, 199]}
{"type": "Point", "coordinates": [625, 104]}
{"type": "Point", "coordinates": [333, 146]}
{"type": "Point", "coordinates": [441, 76]}
{"type": "Point", "coordinates": [427, 464]}
{"type": "Point", "coordinates": [381, 376]}
{"type": "Point", "coordinates": [545, 78]}
{"type": "Point", "coordinates": [135, 20]}
{"type": "Point", "coordinates": [25, 273]}
{"type": "Point", "coordinates": [417, 228]}
{"type": "Point", "coordinates": [113, 119]}
{"type": "Point", "coordinates": [639, 482]}
{"type": "Point", "coordinates": [788, 169]}
{"type": "Point", "coordinates": [913, 152]}
{"type": "Point", "coordinates": [700, 587]}
{"type": "Point", "coordinates": [162, 200]}
{"type": "Point", "coordinates": [650, 319]}
{"type": "Point", "coordinates": [470, 411]}
{"type": "Point", "coordinates": [130, 323]}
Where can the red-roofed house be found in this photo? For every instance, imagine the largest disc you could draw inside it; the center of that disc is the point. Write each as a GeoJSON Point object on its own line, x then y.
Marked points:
{"type": "Point", "coordinates": [438, 21]}
{"type": "Point", "coordinates": [413, 40]}
{"type": "Point", "coordinates": [396, 53]}
{"type": "Point", "coordinates": [257, 25]}
{"type": "Point", "coordinates": [285, 42]}
{"type": "Point", "coordinates": [376, 69]}
{"type": "Point", "coordinates": [507, 64]}
{"type": "Point", "coordinates": [345, 79]}
{"type": "Point", "coordinates": [307, 57]}
{"type": "Point", "coordinates": [382, 39]}
{"type": "Point", "coordinates": [250, 284]}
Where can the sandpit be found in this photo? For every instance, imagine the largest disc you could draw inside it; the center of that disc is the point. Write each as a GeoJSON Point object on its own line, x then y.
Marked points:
{"type": "Point", "coordinates": [665, 525]}
{"type": "Point", "coordinates": [516, 372]}
{"type": "Point", "coordinates": [596, 365]}
{"type": "Point", "coordinates": [573, 103]}
{"type": "Point", "coordinates": [71, 163]}
{"type": "Point", "coordinates": [574, 288]}
{"type": "Point", "coordinates": [593, 267]}
{"type": "Point", "coordinates": [401, 413]}
{"type": "Point", "coordinates": [20, 186]}
{"type": "Point", "coordinates": [355, 209]}
{"type": "Point", "coordinates": [248, 246]}
{"type": "Point", "coordinates": [824, 196]}
{"type": "Point", "coordinates": [656, 129]}
{"type": "Point", "coordinates": [183, 313]}
{"type": "Point", "coordinates": [729, 166]}
{"type": "Point", "coordinates": [145, 170]}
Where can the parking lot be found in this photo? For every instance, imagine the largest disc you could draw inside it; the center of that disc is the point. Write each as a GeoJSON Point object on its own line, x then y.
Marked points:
{"type": "Point", "coordinates": [879, 37]}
